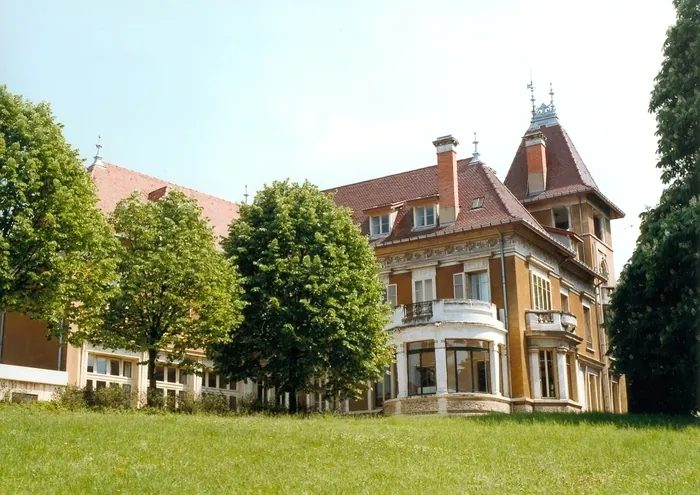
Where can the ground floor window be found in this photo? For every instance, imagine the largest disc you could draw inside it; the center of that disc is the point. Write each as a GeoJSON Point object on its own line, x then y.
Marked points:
{"type": "Point", "coordinates": [616, 397]}
{"type": "Point", "coordinates": [467, 366]}
{"type": "Point", "coordinates": [382, 389]}
{"type": "Point", "coordinates": [593, 392]}
{"type": "Point", "coordinates": [571, 376]}
{"type": "Point", "coordinates": [547, 375]}
{"type": "Point", "coordinates": [421, 368]}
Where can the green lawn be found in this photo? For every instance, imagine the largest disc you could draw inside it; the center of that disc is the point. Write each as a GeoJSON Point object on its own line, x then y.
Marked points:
{"type": "Point", "coordinates": [45, 451]}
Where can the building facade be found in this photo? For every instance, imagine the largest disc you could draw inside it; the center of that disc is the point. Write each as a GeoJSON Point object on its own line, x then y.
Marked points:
{"type": "Point", "coordinates": [498, 289]}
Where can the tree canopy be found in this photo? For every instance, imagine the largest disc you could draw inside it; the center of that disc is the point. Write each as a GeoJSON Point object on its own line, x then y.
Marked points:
{"type": "Point", "coordinates": [56, 247]}
{"type": "Point", "coordinates": [654, 314]}
{"type": "Point", "coordinates": [177, 291]}
{"type": "Point", "coordinates": [314, 315]}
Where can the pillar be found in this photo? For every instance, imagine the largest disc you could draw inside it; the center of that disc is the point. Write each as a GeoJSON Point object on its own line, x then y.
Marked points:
{"type": "Point", "coordinates": [535, 385]}
{"type": "Point", "coordinates": [504, 371]}
{"type": "Point", "coordinates": [561, 373]}
{"type": "Point", "coordinates": [495, 364]}
{"type": "Point", "coordinates": [440, 367]}
{"type": "Point", "coordinates": [402, 371]}
{"type": "Point", "coordinates": [370, 391]}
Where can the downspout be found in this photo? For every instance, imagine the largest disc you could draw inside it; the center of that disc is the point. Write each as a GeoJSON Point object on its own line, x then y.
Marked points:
{"type": "Point", "coordinates": [505, 316]}
{"type": "Point", "coordinates": [2, 332]}
{"type": "Point", "coordinates": [602, 341]}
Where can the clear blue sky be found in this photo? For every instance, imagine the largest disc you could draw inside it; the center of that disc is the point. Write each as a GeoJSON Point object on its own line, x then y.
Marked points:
{"type": "Point", "coordinates": [216, 95]}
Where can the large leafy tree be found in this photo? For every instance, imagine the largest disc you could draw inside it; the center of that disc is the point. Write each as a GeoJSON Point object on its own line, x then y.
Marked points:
{"type": "Point", "coordinates": [177, 291]}
{"type": "Point", "coordinates": [56, 247]}
{"type": "Point", "coordinates": [314, 318]}
{"type": "Point", "coordinates": [654, 322]}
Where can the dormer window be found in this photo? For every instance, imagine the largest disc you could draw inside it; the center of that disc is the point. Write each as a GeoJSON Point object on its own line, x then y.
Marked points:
{"type": "Point", "coordinates": [477, 203]}
{"type": "Point", "coordinates": [561, 217]}
{"type": "Point", "coordinates": [379, 225]}
{"type": "Point", "coordinates": [424, 216]}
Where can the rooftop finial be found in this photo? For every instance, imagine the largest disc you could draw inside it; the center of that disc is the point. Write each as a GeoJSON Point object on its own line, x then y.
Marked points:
{"type": "Point", "coordinates": [475, 156]}
{"type": "Point", "coordinates": [551, 94]}
{"type": "Point", "coordinates": [531, 87]}
{"type": "Point", "coordinates": [245, 195]}
{"type": "Point", "coordinates": [98, 156]}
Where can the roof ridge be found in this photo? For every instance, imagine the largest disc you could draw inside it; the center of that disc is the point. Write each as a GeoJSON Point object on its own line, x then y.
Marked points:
{"type": "Point", "coordinates": [166, 181]}
{"type": "Point", "coordinates": [492, 181]}
{"type": "Point", "coordinates": [377, 178]}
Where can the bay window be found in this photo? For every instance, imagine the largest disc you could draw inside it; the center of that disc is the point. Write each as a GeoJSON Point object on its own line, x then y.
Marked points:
{"type": "Point", "coordinates": [467, 366]}
{"type": "Point", "coordinates": [421, 368]}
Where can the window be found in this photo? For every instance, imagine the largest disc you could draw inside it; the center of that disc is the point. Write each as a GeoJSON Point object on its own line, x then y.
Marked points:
{"type": "Point", "coordinates": [114, 367]}
{"type": "Point", "coordinates": [458, 284]}
{"type": "Point", "coordinates": [101, 365]}
{"type": "Point", "coordinates": [604, 268]}
{"type": "Point", "coordinates": [232, 402]}
{"type": "Point", "coordinates": [172, 374]}
{"type": "Point", "coordinates": [379, 225]}
{"type": "Point", "coordinates": [477, 203]}
{"type": "Point", "coordinates": [564, 302]}
{"type": "Point", "coordinates": [183, 377]}
{"type": "Point", "coordinates": [479, 286]}
{"type": "Point", "coordinates": [549, 390]}
{"type": "Point", "coordinates": [421, 368]}
{"type": "Point", "coordinates": [599, 226]}
{"type": "Point", "coordinates": [423, 290]}
{"type": "Point", "coordinates": [127, 369]}
{"type": "Point", "coordinates": [571, 375]}
{"type": "Point", "coordinates": [382, 390]}
{"type": "Point", "coordinates": [211, 380]}
{"type": "Point", "coordinates": [587, 327]}
{"type": "Point", "coordinates": [223, 382]}
{"type": "Point", "coordinates": [560, 215]}
{"type": "Point", "coordinates": [424, 216]}
{"type": "Point", "coordinates": [390, 295]}
{"type": "Point", "coordinates": [467, 366]}
{"type": "Point", "coordinates": [160, 374]}
{"type": "Point", "coordinates": [592, 395]}
{"type": "Point", "coordinates": [541, 292]}
{"type": "Point", "coordinates": [91, 364]}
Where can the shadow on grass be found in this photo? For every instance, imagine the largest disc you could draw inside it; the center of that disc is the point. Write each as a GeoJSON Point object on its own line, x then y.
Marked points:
{"type": "Point", "coordinates": [642, 421]}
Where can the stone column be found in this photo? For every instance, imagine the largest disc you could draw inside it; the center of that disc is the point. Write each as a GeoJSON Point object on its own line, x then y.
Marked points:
{"type": "Point", "coordinates": [370, 391]}
{"type": "Point", "coordinates": [402, 371]}
{"type": "Point", "coordinates": [504, 371]}
{"type": "Point", "coordinates": [535, 372]}
{"type": "Point", "coordinates": [440, 367]}
{"type": "Point", "coordinates": [392, 372]}
{"type": "Point", "coordinates": [495, 364]}
{"type": "Point", "coordinates": [561, 373]}
{"type": "Point", "coordinates": [346, 406]}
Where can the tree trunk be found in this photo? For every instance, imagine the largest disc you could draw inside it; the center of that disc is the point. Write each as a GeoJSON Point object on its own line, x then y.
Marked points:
{"type": "Point", "coordinates": [293, 401]}
{"type": "Point", "coordinates": [150, 395]}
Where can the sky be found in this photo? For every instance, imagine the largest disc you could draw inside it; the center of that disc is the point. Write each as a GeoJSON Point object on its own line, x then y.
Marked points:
{"type": "Point", "coordinates": [217, 95]}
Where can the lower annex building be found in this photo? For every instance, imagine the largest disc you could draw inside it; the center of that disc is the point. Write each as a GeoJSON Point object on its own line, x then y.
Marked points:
{"type": "Point", "coordinates": [498, 289]}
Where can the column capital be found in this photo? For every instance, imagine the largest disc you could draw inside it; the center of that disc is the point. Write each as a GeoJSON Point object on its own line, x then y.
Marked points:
{"type": "Point", "coordinates": [439, 343]}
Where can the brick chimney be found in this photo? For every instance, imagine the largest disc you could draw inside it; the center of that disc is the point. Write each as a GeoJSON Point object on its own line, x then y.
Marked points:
{"type": "Point", "coordinates": [447, 179]}
{"type": "Point", "coordinates": [535, 150]}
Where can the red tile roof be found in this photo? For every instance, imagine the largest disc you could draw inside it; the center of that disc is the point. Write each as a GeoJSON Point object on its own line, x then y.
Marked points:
{"type": "Point", "coordinates": [475, 181]}
{"type": "Point", "coordinates": [566, 172]}
{"type": "Point", "coordinates": [115, 183]}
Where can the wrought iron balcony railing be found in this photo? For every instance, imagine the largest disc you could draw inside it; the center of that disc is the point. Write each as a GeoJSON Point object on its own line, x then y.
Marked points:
{"type": "Point", "coordinates": [418, 310]}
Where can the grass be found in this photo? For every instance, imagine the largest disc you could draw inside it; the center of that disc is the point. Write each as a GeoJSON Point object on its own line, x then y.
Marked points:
{"type": "Point", "coordinates": [53, 451]}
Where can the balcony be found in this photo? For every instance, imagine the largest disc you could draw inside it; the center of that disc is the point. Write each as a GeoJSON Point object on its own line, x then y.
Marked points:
{"type": "Point", "coordinates": [446, 310]}
{"type": "Point", "coordinates": [550, 321]}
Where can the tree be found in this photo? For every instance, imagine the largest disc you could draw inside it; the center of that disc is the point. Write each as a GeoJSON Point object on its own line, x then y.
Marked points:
{"type": "Point", "coordinates": [314, 317]}
{"type": "Point", "coordinates": [177, 291]}
{"type": "Point", "coordinates": [56, 247]}
{"type": "Point", "coordinates": [654, 314]}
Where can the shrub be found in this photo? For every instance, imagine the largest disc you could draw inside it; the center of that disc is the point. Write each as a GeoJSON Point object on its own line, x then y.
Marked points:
{"type": "Point", "coordinates": [214, 403]}
{"type": "Point", "coordinates": [70, 397]}
{"type": "Point", "coordinates": [113, 397]}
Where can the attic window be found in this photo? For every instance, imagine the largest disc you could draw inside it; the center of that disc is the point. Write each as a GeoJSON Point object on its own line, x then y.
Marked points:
{"type": "Point", "coordinates": [379, 225]}
{"type": "Point", "coordinates": [424, 216]}
{"type": "Point", "coordinates": [562, 217]}
{"type": "Point", "coordinates": [477, 203]}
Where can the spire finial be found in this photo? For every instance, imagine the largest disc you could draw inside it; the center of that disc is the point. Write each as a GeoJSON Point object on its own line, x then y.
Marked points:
{"type": "Point", "coordinates": [475, 156]}
{"type": "Point", "coordinates": [551, 94]}
{"type": "Point", "coordinates": [531, 87]}
{"type": "Point", "coordinates": [245, 195]}
{"type": "Point", "coordinates": [98, 155]}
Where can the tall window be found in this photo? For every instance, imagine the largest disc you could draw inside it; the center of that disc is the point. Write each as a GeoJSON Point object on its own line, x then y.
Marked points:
{"type": "Point", "coordinates": [382, 390]}
{"type": "Point", "coordinates": [599, 226]}
{"type": "Point", "coordinates": [541, 292]}
{"type": "Point", "coordinates": [564, 302]}
{"type": "Point", "coordinates": [592, 392]}
{"type": "Point", "coordinates": [587, 327]}
{"type": "Point", "coordinates": [421, 368]}
{"type": "Point", "coordinates": [379, 225]}
{"type": "Point", "coordinates": [390, 295]}
{"type": "Point", "coordinates": [571, 375]}
{"type": "Point", "coordinates": [424, 216]}
{"type": "Point", "coordinates": [467, 366]}
{"type": "Point", "coordinates": [458, 285]}
{"type": "Point", "coordinates": [560, 215]}
{"type": "Point", "coordinates": [549, 389]}
{"type": "Point", "coordinates": [423, 290]}
{"type": "Point", "coordinates": [479, 286]}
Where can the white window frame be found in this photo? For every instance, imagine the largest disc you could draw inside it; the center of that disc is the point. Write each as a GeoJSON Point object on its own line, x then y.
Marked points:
{"type": "Point", "coordinates": [421, 275]}
{"type": "Point", "coordinates": [423, 210]}
{"type": "Point", "coordinates": [488, 284]}
{"type": "Point", "coordinates": [458, 279]}
{"type": "Point", "coordinates": [422, 290]}
{"type": "Point", "coordinates": [539, 279]}
{"type": "Point", "coordinates": [568, 211]}
{"type": "Point", "coordinates": [392, 302]}
{"type": "Point", "coordinates": [106, 377]}
{"type": "Point", "coordinates": [380, 232]}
